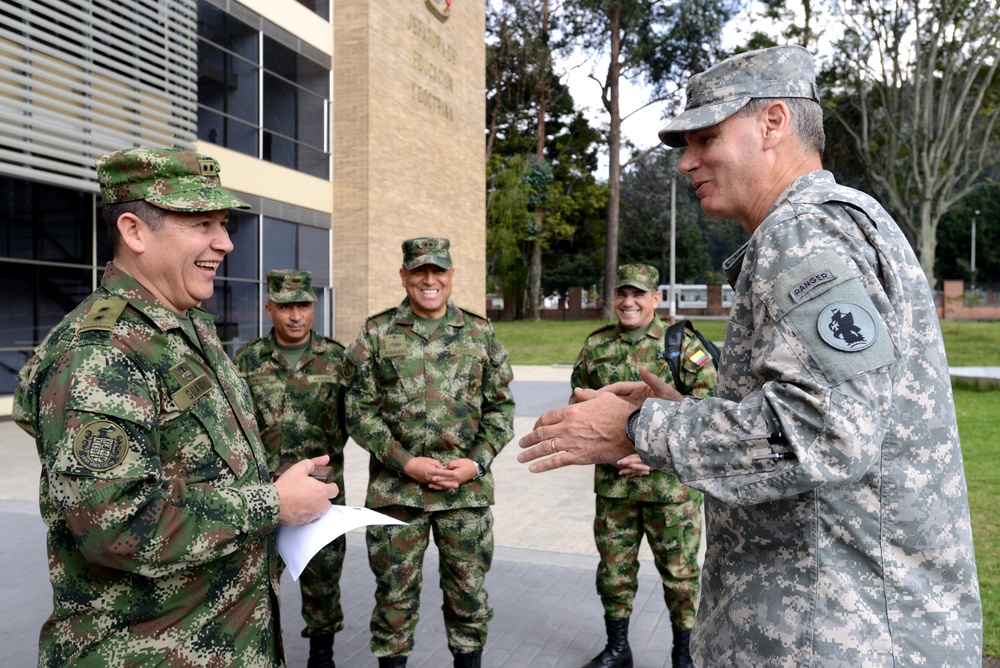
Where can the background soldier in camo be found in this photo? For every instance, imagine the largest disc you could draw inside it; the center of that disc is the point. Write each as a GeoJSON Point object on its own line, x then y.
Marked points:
{"type": "Point", "coordinates": [632, 499]}
{"type": "Point", "coordinates": [154, 482]}
{"type": "Point", "coordinates": [294, 374]}
{"type": "Point", "coordinates": [430, 400]}
{"type": "Point", "coordinates": [836, 506]}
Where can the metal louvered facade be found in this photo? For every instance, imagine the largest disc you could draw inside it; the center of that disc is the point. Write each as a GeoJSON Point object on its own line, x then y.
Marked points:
{"type": "Point", "coordinates": [81, 78]}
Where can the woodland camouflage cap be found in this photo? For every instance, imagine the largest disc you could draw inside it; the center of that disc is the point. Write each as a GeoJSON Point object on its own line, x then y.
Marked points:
{"type": "Point", "coordinates": [426, 250]}
{"type": "Point", "coordinates": [641, 276]}
{"type": "Point", "coordinates": [169, 178]}
{"type": "Point", "coordinates": [723, 89]}
{"type": "Point", "coordinates": [290, 286]}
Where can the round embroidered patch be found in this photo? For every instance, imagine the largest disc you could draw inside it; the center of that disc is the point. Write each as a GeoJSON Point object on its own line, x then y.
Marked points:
{"type": "Point", "coordinates": [847, 326]}
{"type": "Point", "coordinates": [100, 445]}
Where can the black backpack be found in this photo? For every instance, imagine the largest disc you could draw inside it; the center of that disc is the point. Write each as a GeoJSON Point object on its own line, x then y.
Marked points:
{"type": "Point", "coordinates": [672, 350]}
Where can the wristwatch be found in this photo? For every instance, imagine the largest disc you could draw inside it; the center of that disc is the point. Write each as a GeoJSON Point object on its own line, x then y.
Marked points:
{"type": "Point", "coordinates": [480, 471]}
{"type": "Point", "coordinates": [633, 419]}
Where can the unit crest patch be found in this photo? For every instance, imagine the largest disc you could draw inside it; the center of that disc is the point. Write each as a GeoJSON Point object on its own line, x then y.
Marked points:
{"type": "Point", "coordinates": [847, 326]}
{"type": "Point", "coordinates": [100, 445]}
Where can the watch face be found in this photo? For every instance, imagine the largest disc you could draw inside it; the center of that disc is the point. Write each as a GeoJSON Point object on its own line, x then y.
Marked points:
{"type": "Point", "coordinates": [633, 418]}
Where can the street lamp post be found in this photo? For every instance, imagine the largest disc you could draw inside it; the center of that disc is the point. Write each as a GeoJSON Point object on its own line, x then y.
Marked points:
{"type": "Point", "coordinates": [974, 249]}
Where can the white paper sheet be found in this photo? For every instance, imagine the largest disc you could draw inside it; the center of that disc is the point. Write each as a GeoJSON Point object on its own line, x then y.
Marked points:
{"type": "Point", "coordinates": [298, 544]}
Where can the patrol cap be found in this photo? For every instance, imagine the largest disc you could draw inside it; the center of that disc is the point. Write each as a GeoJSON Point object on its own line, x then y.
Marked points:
{"type": "Point", "coordinates": [426, 250]}
{"type": "Point", "coordinates": [287, 286]}
{"type": "Point", "coordinates": [169, 178]}
{"type": "Point", "coordinates": [641, 276]}
{"type": "Point", "coordinates": [723, 89]}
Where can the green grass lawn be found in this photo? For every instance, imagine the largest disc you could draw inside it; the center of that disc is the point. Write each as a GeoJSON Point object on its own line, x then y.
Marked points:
{"type": "Point", "coordinates": [967, 344]}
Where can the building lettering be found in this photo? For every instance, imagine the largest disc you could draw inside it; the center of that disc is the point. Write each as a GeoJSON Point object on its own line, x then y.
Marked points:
{"type": "Point", "coordinates": [424, 31]}
{"type": "Point", "coordinates": [427, 99]}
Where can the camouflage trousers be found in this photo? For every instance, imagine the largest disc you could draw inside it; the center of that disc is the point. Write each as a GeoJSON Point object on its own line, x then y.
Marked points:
{"type": "Point", "coordinates": [673, 531]}
{"type": "Point", "coordinates": [320, 587]}
{"type": "Point", "coordinates": [464, 538]}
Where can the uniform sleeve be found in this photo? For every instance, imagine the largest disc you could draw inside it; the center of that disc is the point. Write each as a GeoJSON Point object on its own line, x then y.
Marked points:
{"type": "Point", "coordinates": [98, 435]}
{"type": "Point", "coordinates": [818, 419]}
{"type": "Point", "coordinates": [363, 405]}
{"type": "Point", "coordinates": [496, 427]}
{"type": "Point", "coordinates": [581, 373]}
{"type": "Point", "coordinates": [698, 372]}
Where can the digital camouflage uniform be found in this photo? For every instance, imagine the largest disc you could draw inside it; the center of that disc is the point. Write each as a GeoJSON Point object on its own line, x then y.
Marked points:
{"type": "Point", "coordinates": [846, 543]}
{"type": "Point", "coordinates": [154, 488]}
{"type": "Point", "coordinates": [836, 507]}
{"type": "Point", "coordinates": [657, 505]}
{"type": "Point", "coordinates": [444, 395]}
{"type": "Point", "coordinates": [300, 415]}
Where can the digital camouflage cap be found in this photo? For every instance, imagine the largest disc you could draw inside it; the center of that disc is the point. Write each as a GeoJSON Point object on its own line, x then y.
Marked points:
{"type": "Point", "coordinates": [723, 89]}
{"type": "Point", "coordinates": [289, 286]}
{"type": "Point", "coordinates": [640, 276]}
{"type": "Point", "coordinates": [426, 250]}
{"type": "Point", "coordinates": [169, 178]}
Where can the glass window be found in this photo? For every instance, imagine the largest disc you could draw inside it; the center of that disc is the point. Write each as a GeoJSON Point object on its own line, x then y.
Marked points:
{"type": "Point", "coordinates": [43, 222]}
{"type": "Point", "coordinates": [242, 262]}
{"type": "Point", "coordinates": [292, 246]}
{"type": "Point", "coordinates": [280, 240]}
{"type": "Point", "coordinates": [236, 81]}
{"type": "Point", "coordinates": [36, 298]}
{"type": "Point", "coordinates": [314, 253]}
{"type": "Point", "coordinates": [321, 7]}
{"type": "Point", "coordinates": [236, 305]}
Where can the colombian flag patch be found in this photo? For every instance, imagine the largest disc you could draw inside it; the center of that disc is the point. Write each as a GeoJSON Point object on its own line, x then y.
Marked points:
{"type": "Point", "coordinates": [699, 357]}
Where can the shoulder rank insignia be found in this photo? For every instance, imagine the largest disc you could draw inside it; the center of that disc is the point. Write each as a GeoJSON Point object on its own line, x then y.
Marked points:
{"type": "Point", "coordinates": [103, 314]}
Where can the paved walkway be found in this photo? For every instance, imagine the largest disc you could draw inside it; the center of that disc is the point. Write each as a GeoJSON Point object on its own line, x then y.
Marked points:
{"type": "Point", "coordinates": [547, 612]}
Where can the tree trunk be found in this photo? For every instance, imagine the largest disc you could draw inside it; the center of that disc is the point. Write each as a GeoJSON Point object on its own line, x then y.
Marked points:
{"type": "Point", "coordinates": [614, 168]}
{"type": "Point", "coordinates": [535, 269]}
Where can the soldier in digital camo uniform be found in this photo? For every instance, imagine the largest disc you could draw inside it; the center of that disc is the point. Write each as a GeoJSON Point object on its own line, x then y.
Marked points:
{"type": "Point", "coordinates": [835, 496]}
{"type": "Point", "coordinates": [430, 401]}
{"type": "Point", "coordinates": [154, 482]}
{"type": "Point", "coordinates": [294, 374]}
{"type": "Point", "coordinates": [633, 500]}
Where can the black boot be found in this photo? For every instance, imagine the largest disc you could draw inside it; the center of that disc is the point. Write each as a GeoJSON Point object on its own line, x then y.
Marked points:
{"type": "Point", "coordinates": [681, 653]}
{"type": "Point", "coordinates": [321, 652]}
{"type": "Point", "coordinates": [470, 660]}
{"type": "Point", "coordinates": [398, 661]}
{"type": "Point", "coordinates": [617, 653]}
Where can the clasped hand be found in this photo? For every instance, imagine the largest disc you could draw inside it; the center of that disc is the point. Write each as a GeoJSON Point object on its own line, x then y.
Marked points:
{"type": "Point", "coordinates": [429, 471]}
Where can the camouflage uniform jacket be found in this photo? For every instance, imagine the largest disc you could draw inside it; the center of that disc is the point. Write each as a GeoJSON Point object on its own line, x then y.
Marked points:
{"type": "Point", "coordinates": [445, 395]}
{"type": "Point", "coordinates": [836, 503]}
{"type": "Point", "coordinates": [610, 356]}
{"type": "Point", "coordinates": [300, 411]}
{"type": "Point", "coordinates": [154, 489]}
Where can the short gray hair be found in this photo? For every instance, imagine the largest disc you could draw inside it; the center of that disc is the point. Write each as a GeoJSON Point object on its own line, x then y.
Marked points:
{"type": "Point", "coordinates": [140, 208]}
{"type": "Point", "coordinates": [807, 118]}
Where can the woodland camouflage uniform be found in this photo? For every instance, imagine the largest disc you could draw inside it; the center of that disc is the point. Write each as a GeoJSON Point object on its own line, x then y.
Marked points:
{"type": "Point", "coordinates": [154, 483]}
{"type": "Point", "coordinates": [154, 488]}
{"type": "Point", "coordinates": [443, 395]}
{"type": "Point", "coordinates": [300, 413]}
{"type": "Point", "coordinates": [668, 512]}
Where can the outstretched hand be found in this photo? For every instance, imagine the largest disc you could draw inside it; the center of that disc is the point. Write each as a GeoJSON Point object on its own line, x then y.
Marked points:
{"type": "Point", "coordinates": [592, 431]}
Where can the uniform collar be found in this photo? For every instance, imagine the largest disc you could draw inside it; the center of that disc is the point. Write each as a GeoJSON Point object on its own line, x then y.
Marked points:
{"type": "Point", "coordinates": [117, 282]}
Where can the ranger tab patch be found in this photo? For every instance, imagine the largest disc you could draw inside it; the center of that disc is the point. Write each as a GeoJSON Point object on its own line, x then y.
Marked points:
{"type": "Point", "coordinates": [100, 445]}
{"type": "Point", "coordinates": [847, 326]}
